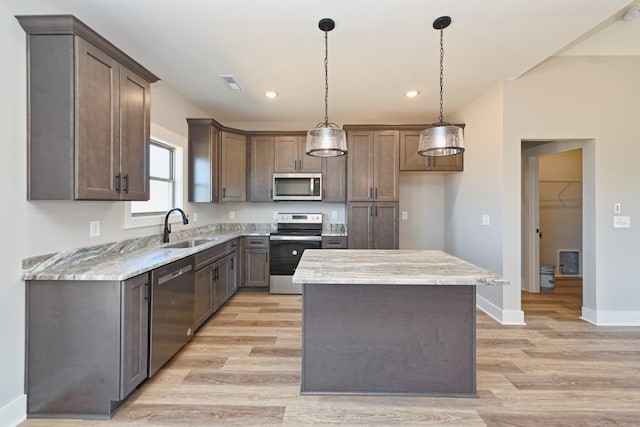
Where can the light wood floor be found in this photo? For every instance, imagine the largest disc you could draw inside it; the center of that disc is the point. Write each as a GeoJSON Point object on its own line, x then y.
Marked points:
{"type": "Point", "coordinates": [243, 368]}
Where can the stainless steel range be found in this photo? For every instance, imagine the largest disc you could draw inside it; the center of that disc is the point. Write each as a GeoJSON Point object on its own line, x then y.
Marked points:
{"type": "Point", "coordinates": [296, 232]}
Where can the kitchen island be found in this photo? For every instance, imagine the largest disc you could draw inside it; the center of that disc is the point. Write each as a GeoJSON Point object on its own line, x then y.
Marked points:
{"type": "Point", "coordinates": [389, 322]}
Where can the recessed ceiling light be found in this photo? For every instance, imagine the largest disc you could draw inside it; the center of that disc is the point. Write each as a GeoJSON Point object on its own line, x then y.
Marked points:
{"type": "Point", "coordinates": [412, 94]}
{"type": "Point", "coordinates": [271, 94]}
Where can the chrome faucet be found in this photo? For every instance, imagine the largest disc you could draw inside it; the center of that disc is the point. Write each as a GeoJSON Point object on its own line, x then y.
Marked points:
{"type": "Point", "coordinates": [167, 226]}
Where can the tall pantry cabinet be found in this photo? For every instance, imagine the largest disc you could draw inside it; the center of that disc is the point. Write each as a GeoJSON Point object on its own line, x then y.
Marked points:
{"type": "Point", "coordinates": [89, 114]}
{"type": "Point", "coordinates": [373, 188]}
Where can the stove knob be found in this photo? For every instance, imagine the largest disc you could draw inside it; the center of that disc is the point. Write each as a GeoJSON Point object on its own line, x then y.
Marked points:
{"type": "Point", "coordinates": [294, 252]}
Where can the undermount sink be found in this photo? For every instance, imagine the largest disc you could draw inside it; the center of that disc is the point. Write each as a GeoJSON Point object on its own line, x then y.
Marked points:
{"type": "Point", "coordinates": [188, 244]}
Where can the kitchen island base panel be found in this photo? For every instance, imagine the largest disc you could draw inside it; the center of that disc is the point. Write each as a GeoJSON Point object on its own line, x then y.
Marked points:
{"type": "Point", "coordinates": [389, 339]}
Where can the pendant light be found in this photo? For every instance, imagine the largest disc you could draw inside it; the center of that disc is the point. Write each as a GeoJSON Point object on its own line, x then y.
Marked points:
{"type": "Point", "coordinates": [443, 139]}
{"type": "Point", "coordinates": [326, 139]}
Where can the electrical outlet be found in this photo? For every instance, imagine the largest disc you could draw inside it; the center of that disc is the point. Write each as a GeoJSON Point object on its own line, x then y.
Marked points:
{"type": "Point", "coordinates": [195, 217]}
{"type": "Point", "coordinates": [275, 214]}
{"type": "Point", "coordinates": [405, 215]}
{"type": "Point", "coordinates": [486, 220]}
{"type": "Point", "coordinates": [232, 214]}
{"type": "Point", "coordinates": [94, 228]}
{"type": "Point", "coordinates": [334, 214]}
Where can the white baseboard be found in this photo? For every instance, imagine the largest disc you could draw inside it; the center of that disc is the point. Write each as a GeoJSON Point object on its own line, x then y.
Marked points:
{"type": "Point", "coordinates": [505, 317]}
{"type": "Point", "coordinates": [14, 412]}
{"type": "Point", "coordinates": [611, 317]}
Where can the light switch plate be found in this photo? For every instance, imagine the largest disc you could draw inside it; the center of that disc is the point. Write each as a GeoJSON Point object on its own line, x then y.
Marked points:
{"type": "Point", "coordinates": [405, 215]}
{"type": "Point", "coordinates": [232, 214]}
{"type": "Point", "coordinates": [486, 220]}
{"type": "Point", "coordinates": [617, 209]}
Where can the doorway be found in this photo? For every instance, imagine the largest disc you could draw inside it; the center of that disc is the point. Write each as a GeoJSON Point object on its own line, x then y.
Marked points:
{"type": "Point", "coordinates": [557, 209]}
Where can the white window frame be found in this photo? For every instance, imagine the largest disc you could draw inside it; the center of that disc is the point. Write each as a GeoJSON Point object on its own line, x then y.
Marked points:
{"type": "Point", "coordinates": [177, 142]}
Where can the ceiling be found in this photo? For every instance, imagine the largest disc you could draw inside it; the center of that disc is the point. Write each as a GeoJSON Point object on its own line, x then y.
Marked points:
{"type": "Point", "coordinates": [379, 50]}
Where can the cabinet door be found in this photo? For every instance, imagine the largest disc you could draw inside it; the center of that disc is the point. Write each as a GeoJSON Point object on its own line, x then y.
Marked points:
{"type": "Point", "coordinates": [286, 154]}
{"type": "Point", "coordinates": [233, 167]}
{"type": "Point", "coordinates": [203, 295]}
{"type": "Point", "coordinates": [386, 225]}
{"type": "Point", "coordinates": [261, 170]}
{"type": "Point", "coordinates": [221, 278]}
{"type": "Point", "coordinates": [135, 105]}
{"type": "Point", "coordinates": [360, 166]}
{"type": "Point", "coordinates": [448, 163]}
{"type": "Point", "coordinates": [134, 334]}
{"type": "Point", "coordinates": [334, 179]}
{"type": "Point", "coordinates": [203, 162]}
{"type": "Point", "coordinates": [233, 277]}
{"type": "Point", "coordinates": [360, 217]}
{"type": "Point", "coordinates": [386, 166]}
{"type": "Point", "coordinates": [307, 163]}
{"type": "Point", "coordinates": [410, 160]}
{"type": "Point", "coordinates": [97, 143]}
{"type": "Point", "coordinates": [256, 268]}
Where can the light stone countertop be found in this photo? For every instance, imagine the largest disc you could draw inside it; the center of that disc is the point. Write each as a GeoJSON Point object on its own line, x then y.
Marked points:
{"type": "Point", "coordinates": [128, 258]}
{"type": "Point", "coordinates": [390, 267]}
{"type": "Point", "coordinates": [125, 259]}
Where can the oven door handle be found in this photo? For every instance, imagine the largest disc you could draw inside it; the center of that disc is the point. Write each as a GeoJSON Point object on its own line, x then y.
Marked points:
{"type": "Point", "coordinates": [297, 238]}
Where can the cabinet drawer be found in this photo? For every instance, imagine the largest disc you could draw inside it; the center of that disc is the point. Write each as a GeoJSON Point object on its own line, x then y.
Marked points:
{"type": "Point", "coordinates": [210, 255]}
{"type": "Point", "coordinates": [334, 242]}
{"type": "Point", "coordinates": [256, 242]}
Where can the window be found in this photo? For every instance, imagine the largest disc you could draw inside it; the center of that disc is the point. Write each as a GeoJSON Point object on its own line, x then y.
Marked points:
{"type": "Point", "coordinates": [166, 181]}
{"type": "Point", "coordinates": [161, 181]}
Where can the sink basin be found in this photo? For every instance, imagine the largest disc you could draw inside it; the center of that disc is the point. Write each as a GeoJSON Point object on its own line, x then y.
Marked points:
{"type": "Point", "coordinates": [187, 244]}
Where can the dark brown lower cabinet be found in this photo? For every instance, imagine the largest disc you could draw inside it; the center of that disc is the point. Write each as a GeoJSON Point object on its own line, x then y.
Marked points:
{"type": "Point", "coordinates": [334, 242]}
{"type": "Point", "coordinates": [255, 258]}
{"type": "Point", "coordinates": [216, 280]}
{"type": "Point", "coordinates": [373, 225]}
{"type": "Point", "coordinates": [87, 345]}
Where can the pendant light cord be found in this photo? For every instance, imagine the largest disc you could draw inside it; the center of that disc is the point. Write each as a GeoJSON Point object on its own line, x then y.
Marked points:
{"type": "Point", "coordinates": [441, 75]}
{"type": "Point", "coordinates": [326, 79]}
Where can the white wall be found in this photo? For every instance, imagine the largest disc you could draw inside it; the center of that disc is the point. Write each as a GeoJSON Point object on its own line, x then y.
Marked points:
{"type": "Point", "coordinates": [480, 190]}
{"type": "Point", "coordinates": [586, 98]}
{"type": "Point", "coordinates": [565, 98]}
{"type": "Point", "coordinates": [34, 228]}
{"type": "Point", "coordinates": [422, 198]}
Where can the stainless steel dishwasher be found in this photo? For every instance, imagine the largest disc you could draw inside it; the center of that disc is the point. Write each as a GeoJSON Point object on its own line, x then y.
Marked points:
{"type": "Point", "coordinates": [171, 317]}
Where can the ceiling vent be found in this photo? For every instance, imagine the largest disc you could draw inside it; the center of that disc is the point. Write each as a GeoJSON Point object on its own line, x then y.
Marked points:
{"type": "Point", "coordinates": [231, 82]}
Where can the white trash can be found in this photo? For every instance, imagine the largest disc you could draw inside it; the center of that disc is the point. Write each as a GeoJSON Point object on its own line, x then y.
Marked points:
{"type": "Point", "coordinates": [547, 281]}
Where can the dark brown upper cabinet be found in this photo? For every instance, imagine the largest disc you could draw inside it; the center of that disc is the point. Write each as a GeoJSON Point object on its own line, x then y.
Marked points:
{"type": "Point", "coordinates": [261, 168]}
{"type": "Point", "coordinates": [411, 161]}
{"type": "Point", "coordinates": [88, 114]}
{"type": "Point", "coordinates": [289, 153]}
{"type": "Point", "coordinates": [334, 179]}
{"type": "Point", "coordinates": [217, 163]}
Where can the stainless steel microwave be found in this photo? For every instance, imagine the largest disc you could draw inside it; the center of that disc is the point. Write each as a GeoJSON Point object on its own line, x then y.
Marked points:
{"type": "Point", "coordinates": [297, 186]}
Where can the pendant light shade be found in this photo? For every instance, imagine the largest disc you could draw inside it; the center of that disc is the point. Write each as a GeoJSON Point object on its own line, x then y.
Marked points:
{"type": "Point", "coordinates": [443, 139]}
{"type": "Point", "coordinates": [326, 139]}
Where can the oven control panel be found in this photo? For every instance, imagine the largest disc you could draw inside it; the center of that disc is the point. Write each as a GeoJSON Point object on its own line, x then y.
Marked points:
{"type": "Point", "coordinates": [299, 218]}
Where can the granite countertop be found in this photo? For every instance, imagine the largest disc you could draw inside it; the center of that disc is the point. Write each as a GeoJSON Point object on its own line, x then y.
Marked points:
{"type": "Point", "coordinates": [395, 267]}
{"type": "Point", "coordinates": [128, 258]}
